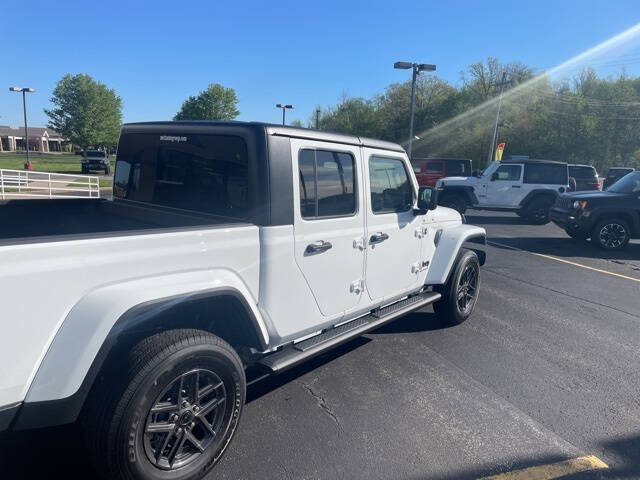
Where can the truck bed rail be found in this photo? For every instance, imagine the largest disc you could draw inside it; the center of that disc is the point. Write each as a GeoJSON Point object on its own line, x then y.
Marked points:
{"type": "Point", "coordinates": [25, 184]}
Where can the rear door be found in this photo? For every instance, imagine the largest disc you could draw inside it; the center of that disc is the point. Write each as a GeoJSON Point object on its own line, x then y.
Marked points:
{"type": "Point", "coordinates": [328, 223]}
{"type": "Point", "coordinates": [504, 187]}
{"type": "Point", "coordinates": [392, 230]}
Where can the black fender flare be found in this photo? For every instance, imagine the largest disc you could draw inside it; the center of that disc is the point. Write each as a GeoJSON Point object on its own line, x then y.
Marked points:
{"type": "Point", "coordinates": [138, 318]}
{"type": "Point", "coordinates": [465, 191]}
{"type": "Point", "coordinates": [538, 193]}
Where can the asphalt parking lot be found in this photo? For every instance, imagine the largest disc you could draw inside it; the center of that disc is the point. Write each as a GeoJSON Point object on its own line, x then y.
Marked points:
{"type": "Point", "coordinates": [547, 369]}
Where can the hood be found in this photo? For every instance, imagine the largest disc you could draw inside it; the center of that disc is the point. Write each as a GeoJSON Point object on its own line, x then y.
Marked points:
{"type": "Point", "coordinates": [457, 180]}
{"type": "Point", "coordinates": [445, 214]}
{"type": "Point", "coordinates": [588, 195]}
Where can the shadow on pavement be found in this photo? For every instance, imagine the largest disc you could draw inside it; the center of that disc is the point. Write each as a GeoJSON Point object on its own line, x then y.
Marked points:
{"type": "Point", "coordinates": [420, 321]}
{"type": "Point", "coordinates": [511, 219]}
{"type": "Point", "coordinates": [566, 247]}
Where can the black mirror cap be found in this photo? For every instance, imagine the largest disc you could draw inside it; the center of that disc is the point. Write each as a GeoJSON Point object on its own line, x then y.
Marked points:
{"type": "Point", "coordinates": [427, 198]}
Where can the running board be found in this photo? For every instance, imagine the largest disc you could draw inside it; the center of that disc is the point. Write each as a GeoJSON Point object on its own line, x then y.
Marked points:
{"type": "Point", "coordinates": [293, 354]}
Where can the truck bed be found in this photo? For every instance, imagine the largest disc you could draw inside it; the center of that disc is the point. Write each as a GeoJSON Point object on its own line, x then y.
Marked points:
{"type": "Point", "coordinates": [47, 220]}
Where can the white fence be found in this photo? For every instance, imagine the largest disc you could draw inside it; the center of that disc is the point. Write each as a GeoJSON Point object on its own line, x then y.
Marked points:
{"type": "Point", "coordinates": [27, 184]}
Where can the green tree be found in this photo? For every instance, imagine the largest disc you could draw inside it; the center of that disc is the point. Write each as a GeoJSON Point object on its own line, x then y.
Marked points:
{"type": "Point", "coordinates": [216, 102]}
{"type": "Point", "coordinates": [85, 111]}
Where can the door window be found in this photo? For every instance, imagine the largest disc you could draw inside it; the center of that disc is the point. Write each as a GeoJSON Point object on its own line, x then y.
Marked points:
{"type": "Point", "coordinates": [510, 173]}
{"type": "Point", "coordinates": [327, 184]}
{"type": "Point", "coordinates": [391, 189]}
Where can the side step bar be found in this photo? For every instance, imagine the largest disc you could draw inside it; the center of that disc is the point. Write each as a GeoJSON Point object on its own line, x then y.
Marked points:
{"type": "Point", "coordinates": [293, 354]}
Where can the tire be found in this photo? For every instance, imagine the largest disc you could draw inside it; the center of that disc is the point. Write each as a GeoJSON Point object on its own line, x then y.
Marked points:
{"type": "Point", "coordinates": [537, 212]}
{"type": "Point", "coordinates": [455, 201]}
{"type": "Point", "coordinates": [164, 371]}
{"type": "Point", "coordinates": [448, 309]}
{"type": "Point", "coordinates": [613, 234]}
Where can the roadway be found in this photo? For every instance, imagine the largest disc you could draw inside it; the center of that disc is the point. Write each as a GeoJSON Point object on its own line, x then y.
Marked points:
{"type": "Point", "coordinates": [546, 370]}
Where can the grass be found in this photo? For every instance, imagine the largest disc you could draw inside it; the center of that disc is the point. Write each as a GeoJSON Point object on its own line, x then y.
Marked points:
{"type": "Point", "coordinates": [47, 162]}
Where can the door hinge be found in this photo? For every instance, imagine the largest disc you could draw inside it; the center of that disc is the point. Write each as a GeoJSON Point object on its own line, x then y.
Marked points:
{"type": "Point", "coordinates": [357, 286]}
{"type": "Point", "coordinates": [419, 266]}
{"type": "Point", "coordinates": [422, 231]}
{"type": "Point", "coordinates": [360, 243]}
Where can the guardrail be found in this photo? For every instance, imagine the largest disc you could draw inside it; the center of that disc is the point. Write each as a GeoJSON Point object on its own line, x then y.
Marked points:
{"type": "Point", "coordinates": [27, 184]}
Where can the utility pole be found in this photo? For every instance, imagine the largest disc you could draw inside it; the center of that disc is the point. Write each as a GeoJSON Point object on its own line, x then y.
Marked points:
{"type": "Point", "coordinates": [317, 119]}
{"type": "Point", "coordinates": [495, 125]}
{"type": "Point", "coordinates": [416, 69]}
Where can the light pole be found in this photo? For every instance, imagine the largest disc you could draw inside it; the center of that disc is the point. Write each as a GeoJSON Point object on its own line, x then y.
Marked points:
{"type": "Point", "coordinates": [317, 118]}
{"type": "Point", "coordinates": [284, 109]}
{"type": "Point", "coordinates": [495, 125]}
{"type": "Point", "coordinates": [417, 68]}
{"type": "Point", "coordinates": [24, 91]}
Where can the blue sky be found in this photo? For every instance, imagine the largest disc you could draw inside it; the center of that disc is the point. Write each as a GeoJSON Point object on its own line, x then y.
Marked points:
{"type": "Point", "coordinates": [155, 54]}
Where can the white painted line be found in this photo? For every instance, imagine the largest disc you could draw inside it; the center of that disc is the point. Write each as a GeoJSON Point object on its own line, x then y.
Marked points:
{"type": "Point", "coordinates": [568, 262]}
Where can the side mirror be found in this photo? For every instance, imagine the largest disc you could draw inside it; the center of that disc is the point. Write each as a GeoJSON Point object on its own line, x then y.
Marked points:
{"type": "Point", "coordinates": [494, 176]}
{"type": "Point", "coordinates": [427, 200]}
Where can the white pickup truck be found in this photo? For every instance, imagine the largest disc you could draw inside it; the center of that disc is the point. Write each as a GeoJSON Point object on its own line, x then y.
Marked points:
{"type": "Point", "coordinates": [227, 245]}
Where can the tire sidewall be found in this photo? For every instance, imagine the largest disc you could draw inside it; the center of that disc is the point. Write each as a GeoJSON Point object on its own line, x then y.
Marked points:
{"type": "Point", "coordinates": [537, 205]}
{"type": "Point", "coordinates": [130, 437]}
{"type": "Point", "coordinates": [447, 308]}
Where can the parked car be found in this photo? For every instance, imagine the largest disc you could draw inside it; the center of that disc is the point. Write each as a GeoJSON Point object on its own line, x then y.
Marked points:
{"type": "Point", "coordinates": [614, 174]}
{"type": "Point", "coordinates": [429, 170]}
{"type": "Point", "coordinates": [610, 218]}
{"type": "Point", "coordinates": [586, 177]}
{"type": "Point", "coordinates": [227, 245]}
{"type": "Point", "coordinates": [96, 160]}
{"type": "Point", "coordinates": [523, 186]}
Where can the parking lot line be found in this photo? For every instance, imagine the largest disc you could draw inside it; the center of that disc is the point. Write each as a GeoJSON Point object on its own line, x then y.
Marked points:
{"type": "Point", "coordinates": [562, 260]}
{"type": "Point", "coordinates": [553, 470]}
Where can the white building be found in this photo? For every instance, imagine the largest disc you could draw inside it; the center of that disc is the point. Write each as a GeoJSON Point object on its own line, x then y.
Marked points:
{"type": "Point", "coordinates": [44, 140]}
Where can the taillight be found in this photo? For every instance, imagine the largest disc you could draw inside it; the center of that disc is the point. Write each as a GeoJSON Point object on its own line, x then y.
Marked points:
{"type": "Point", "coordinates": [594, 185]}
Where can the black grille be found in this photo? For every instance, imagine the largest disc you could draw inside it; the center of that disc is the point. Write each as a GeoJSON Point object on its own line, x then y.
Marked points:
{"type": "Point", "coordinates": [563, 202]}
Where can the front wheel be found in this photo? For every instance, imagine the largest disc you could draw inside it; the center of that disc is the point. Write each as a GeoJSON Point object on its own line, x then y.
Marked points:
{"type": "Point", "coordinates": [457, 202]}
{"type": "Point", "coordinates": [611, 234]}
{"type": "Point", "coordinates": [460, 293]}
{"type": "Point", "coordinates": [173, 414]}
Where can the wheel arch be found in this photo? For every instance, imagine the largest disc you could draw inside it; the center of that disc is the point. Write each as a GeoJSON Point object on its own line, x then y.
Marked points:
{"type": "Point", "coordinates": [538, 194]}
{"type": "Point", "coordinates": [77, 356]}
{"type": "Point", "coordinates": [465, 191]}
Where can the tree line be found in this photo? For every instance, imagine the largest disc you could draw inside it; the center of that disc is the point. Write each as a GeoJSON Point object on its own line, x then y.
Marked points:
{"type": "Point", "coordinates": [583, 119]}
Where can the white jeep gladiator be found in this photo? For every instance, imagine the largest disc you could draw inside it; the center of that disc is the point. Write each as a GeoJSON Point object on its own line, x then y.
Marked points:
{"type": "Point", "coordinates": [227, 246]}
{"type": "Point", "coordinates": [521, 185]}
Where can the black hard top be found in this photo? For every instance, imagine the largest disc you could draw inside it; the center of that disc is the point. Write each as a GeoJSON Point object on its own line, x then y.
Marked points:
{"type": "Point", "coordinates": [271, 129]}
{"type": "Point", "coordinates": [580, 165]}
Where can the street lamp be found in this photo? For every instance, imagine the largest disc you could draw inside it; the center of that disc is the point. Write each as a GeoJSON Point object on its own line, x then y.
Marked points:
{"type": "Point", "coordinates": [417, 68]}
{"type": "Point", "coordinates": [284, 109]}
{"type": "Point", "coordinates": [24, 91]}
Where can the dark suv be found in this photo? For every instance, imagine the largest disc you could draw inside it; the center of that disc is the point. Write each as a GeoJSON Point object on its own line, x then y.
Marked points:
{"type": "Point", "coordinates": [611, 218]}
{"type": "Point", "coordinates": [429, 170]}
{"type": "Point", "coordinates": [585, 176]}
{"type": "Point", "coordinates": [614, 174]}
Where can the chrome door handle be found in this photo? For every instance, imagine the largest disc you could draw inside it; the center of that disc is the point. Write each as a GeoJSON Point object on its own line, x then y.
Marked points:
{"type": "Point", "coordinates": [318, 247]}
{"type": "Point", "coordinates": [378, 237]}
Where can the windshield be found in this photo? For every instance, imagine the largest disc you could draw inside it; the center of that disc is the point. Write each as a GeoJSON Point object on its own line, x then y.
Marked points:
{"type": "Point", "coordinates": [95, 153]}
{"type": "Point", "coordinates": [582, 172]}
{"type": "Point", "coordinates": [630, 183]}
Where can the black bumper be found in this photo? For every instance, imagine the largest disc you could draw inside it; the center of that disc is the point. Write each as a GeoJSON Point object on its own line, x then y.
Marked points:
{"type": "Point", "coordinates": [7, 415]}
{"type": "Point", "coordinates": [570, 219]}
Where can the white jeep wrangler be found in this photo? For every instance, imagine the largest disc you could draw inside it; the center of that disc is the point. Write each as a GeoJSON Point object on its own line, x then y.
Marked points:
{"type": "Point", "coordinates": [526, 187]}
{"type": "Point", "coordinates": [227, 245]}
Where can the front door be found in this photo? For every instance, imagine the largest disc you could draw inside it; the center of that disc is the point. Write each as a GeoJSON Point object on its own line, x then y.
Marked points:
{"type": "Point", "coordinates": [329, 223]}
{"type": "Point", "coordinates": [393, 239]}
{"type": "Point", "coordinates": [504, 187]}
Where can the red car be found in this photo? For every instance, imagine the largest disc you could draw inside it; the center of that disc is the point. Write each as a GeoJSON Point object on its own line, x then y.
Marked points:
{"type": "Point", "coordinates": [429, 170]}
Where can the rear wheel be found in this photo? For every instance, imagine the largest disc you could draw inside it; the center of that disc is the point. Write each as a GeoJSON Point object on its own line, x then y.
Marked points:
{"type": "Point", "coordinates": [460, 293]}
{"type": "Point", "coordinates": [455, 201]}
{"type": "Point", "coordinates": [611, 234]}
{"type": "Point", "coordinates": [537, 212]}
{"type": "Point", "coordinates": [173, 414]}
